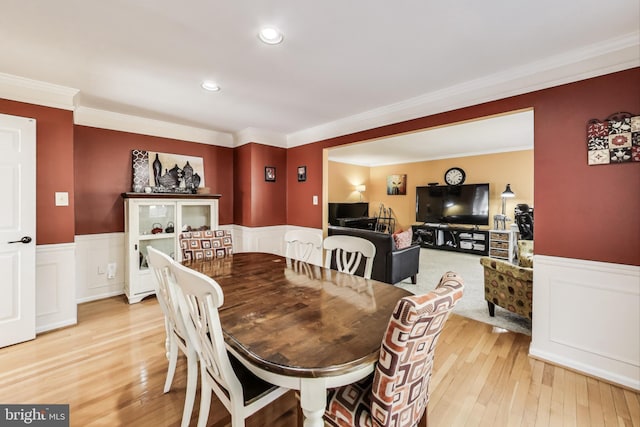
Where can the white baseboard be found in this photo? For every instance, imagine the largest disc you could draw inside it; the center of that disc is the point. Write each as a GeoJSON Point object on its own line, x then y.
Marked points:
{"type": "Point", "coordinates": [586, 317]}
{"type": "Point", "coordinates": [57, 325]}
{"type": "Point", "coordinates": [97, 297]}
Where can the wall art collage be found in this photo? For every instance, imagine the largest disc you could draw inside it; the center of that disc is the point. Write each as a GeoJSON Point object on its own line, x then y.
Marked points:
{"type": "Point", "coordinates": [614, 140]}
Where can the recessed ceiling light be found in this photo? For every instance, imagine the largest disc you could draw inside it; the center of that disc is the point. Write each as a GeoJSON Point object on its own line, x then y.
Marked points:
{"type": "Point", "coordinates": [270, 35]}
{"type": "Point", "coordinates": [210, 85]}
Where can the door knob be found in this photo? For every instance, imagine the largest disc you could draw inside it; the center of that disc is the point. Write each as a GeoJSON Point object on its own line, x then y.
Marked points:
{"type": "Point", "coordinates": [25, 239]}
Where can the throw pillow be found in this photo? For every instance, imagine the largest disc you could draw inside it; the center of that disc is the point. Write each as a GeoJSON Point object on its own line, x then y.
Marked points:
{"type": "Point", "coordinates": [402, 239]}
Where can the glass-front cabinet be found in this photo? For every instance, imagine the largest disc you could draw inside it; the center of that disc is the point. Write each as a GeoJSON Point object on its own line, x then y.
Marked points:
{"type": "Point", "coordinates": [157, 220]}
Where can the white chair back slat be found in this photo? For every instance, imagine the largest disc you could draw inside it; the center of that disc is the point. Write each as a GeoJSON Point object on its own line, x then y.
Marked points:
{"type": "Point", "coordinates": [199, 298]}
{"type": "Point", "coordinates": [160, 264]}
{"type": "Point", "coordinates": [302, 245]}
{"type": "Point", "coordinates": [349, 251]}
{"type": "Point", "coordinates": [177, 337]}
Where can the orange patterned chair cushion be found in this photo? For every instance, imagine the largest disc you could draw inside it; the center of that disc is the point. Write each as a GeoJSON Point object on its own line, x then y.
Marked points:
{"type": "Point", "coordinates": [397, 393]}
{"type": "Point", "coordinates": [208, 244]}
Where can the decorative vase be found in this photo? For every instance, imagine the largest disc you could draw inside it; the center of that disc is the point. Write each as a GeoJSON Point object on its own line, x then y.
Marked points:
{"type": "Point", "coordinates": [187, 172]}
{"type": "Point", "coordinates": [157, 171]}
{"type": "Point", "coordinates": [196, 180]}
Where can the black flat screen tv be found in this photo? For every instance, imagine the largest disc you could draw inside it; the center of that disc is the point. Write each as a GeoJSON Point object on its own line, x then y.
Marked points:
{"type": "Point", "coordinates": [453, 204]}
{"type": "Point", "coordinates": [347, 210]}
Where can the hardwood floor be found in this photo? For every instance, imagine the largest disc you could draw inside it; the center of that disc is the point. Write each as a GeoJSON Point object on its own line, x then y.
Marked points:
{"type": "Point", "coordinates": [111, 369]}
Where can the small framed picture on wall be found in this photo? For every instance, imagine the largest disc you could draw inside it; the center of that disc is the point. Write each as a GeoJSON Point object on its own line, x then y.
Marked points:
{"type": "Point", "coordinates": [302, 173]}
{"type": "Point", "coordinates": [397, 185]}
{"type": "Point", "coordinates": [270, 173]}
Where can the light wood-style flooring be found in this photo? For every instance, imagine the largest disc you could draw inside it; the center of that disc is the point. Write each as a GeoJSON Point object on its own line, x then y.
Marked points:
{"type": "Point", "coordinates": [111, 369]}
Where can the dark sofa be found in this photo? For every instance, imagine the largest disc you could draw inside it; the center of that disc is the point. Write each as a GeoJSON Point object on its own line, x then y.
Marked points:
{"type": "Point", "coordinates": [390, 265]}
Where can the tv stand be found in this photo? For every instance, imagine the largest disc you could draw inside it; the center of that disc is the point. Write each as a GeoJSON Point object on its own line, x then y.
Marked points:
{"type": "Point", "coordinates": [365, 223]}
{"type": "Point", "coordinates": [445, 237]}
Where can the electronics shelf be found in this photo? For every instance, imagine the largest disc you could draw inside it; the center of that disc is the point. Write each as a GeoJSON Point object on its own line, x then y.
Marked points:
{"type": "Point", "coordinates": [459, 239]}
{"type": "Point", "coordinates": [502, 244]}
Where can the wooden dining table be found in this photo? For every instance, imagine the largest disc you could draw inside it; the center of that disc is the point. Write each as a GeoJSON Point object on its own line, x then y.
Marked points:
{"type": "Point", "coordinates": [301, 326]}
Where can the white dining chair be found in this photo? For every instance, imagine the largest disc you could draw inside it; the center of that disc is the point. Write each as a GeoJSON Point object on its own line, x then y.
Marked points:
{"type": "Point", "coordinates": [160, 264]}
{"type": "Point", "coordinates": [348, 252]}
{"type": "Point", "coordinates": [303, 245]}
{"type": "Point", "coordinates": [239, 390]}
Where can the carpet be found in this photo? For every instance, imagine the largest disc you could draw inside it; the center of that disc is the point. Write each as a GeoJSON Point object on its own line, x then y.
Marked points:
{"type": "Point", "coordinates": [434, 263]}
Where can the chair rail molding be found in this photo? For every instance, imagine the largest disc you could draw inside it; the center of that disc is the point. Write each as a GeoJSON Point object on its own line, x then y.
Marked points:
{"type": "Point", "coordinates": [586, 317]}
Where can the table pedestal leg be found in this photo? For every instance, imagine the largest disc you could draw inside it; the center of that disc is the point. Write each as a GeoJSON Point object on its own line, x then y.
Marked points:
{"type": "Point", "coordinates": [313, 400]}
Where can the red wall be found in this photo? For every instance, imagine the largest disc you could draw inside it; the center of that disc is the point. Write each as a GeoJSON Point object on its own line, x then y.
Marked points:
{"type": "Point", "coordinates": [300, 205]}
{"type": "Point", "coordinates": [259, 203]}
{"type": "Point", "coordinates": [54, 169]}
{"type": "Point", "coordinates": [242, 179]}
{"type": "Point", "coordinates": [103, 171]}
{"type": "Point", "coordinates": [583, 212]}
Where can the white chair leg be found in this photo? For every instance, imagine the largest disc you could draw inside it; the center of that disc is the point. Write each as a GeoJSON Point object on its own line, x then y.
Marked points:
{"type": "Point", "coordinates": [237, 414]}
{"type": "Point", "coordinates": [205, 402]}
{"type": "Point", "coordinates": [237, 421]}
{"type": "Point", "coordinates": [173, 361]}
{"type": "Point", "coordinates": [192, 382]}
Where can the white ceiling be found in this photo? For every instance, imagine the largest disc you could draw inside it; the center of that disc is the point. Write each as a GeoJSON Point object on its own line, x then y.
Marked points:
{"type": "Point", "coordinates": [343, 65]}
{"type": "Point", "coordinates": [509, 132]}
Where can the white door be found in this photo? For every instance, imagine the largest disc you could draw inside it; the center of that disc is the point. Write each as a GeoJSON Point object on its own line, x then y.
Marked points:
{"type": "Point", "coordinates": [17, 229]}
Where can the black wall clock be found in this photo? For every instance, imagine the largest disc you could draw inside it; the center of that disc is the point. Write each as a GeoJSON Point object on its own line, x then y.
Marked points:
{"type": "Point", "coordinates": [454, 176]}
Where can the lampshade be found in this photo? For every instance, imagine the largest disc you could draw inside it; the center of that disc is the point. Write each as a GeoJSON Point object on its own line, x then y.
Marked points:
{"type": "Point", "coordinates": [361, 188]}
{"type": "Point", "coordinates": [507, 192]}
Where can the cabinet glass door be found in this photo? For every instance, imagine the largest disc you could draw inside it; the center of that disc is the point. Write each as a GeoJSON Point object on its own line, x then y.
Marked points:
{"type": "Point", "coordinates": [195, 216]}
{"type": "Point", "coordinates": [165, 245]}
{"type": "Point", "coordinates": [156, 227]}
{"type": "Point", "coordinates": [156, 219]}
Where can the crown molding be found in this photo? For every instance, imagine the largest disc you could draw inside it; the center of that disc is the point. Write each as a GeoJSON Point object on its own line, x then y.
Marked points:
{"type": "Point", "coordinates": [36, 92]}
{"type": "Point", "coordinates": [260, 136]}
{"type": "Point", "coordinates": [126, 123]}
{"type": "Point", "coordinates": [598, 59]}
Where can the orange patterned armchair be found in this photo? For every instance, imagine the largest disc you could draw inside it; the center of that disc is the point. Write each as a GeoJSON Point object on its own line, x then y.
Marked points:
{"type": "Point", "coordinates": [510, 285]}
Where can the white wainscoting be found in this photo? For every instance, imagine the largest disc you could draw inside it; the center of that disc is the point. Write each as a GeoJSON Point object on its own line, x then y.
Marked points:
{"type": "Point", "coordinates": [55, 291]}
{"type": "Point", "coordinates": [586, 317]}
{"type": "Point", "coordinates": [94, 252]}
{"type": "Point", "coordinates": [268, 239]}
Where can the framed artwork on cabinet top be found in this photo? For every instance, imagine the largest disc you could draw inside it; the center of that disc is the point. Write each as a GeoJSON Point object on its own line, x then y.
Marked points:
{"type": "Point", "coordinates": [166, 173]}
